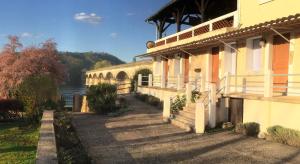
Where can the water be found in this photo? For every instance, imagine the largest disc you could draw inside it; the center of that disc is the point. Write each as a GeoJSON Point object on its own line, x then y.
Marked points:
{"type": "Point", "coordinates": [68, 92]}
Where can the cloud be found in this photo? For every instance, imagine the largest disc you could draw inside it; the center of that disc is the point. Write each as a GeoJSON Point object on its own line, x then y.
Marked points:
{"type": "Point", "coordinates": [88, 18]}
{"type": "Point", "coordinates": [130, 14]}
{"type": "Point", "coordinates": [26, 35]}
{"type": "Point", "coordinates": [114, 35]}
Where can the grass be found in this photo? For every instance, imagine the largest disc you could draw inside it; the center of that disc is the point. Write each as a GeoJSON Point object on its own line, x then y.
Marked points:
{"type": "Point", "coordinates": [18, 142]}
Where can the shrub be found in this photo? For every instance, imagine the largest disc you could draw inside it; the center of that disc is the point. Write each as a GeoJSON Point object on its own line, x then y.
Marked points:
{"type": "Point", "coordinates": [69, 148]}
{"type": "Point", "coordinates": [102, 98]}
{"type": "Point", "coordinates": [154, 101]}
{"type": "Point", "coordinates": [10, 109]}
{"type": "Point", "coordinates": [284, 135]}
{"type": "Point", "coordinates": [195, 96]}
{"type": "Point", "coordinates": [249, 129]}
{"type": "Point", "coordinates": [36, 93]}
{"type": "Point", "coordinates": [178, 103]}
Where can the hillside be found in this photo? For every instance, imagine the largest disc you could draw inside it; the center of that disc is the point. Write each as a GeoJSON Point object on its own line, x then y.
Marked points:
{"type": "Point", "coordinates": [76, 63]}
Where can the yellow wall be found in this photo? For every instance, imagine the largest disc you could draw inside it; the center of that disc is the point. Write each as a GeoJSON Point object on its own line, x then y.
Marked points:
{"type": "Point", "coordinates": [251, 12]}
{"type": "Point", "coordinates": [269, 113]}
{"type": "Point", "coordinates": [199, 60]}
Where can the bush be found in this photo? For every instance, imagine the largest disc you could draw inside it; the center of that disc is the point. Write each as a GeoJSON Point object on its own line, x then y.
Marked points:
{"type": "Point", "coordinates": [284, 135]}
{"type": "Point", "coordinates": [178, 103]}
{"type": "Point", "coordinates": [70, 150]}
{"type": "Point", "coordinates": [195, 96]}
{"type": "Point", "coordinates": [249, 129]}
{"type": "Point", "coordinates": [10, 109]}
{"type": "Point", "coordinates": [36, 93]}
{"type": "Point", "coordinates": [102, 98]}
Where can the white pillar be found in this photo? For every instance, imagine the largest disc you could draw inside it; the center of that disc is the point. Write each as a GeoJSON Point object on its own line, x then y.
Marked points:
{"type": "Point", "coordinates": [179, 82]}
{"type": "Point", "coordinates": [188, 93]}
{"type": "Point", "coordinates": [163, 79]}
{"type": "Point", "coordinates": [167, 109]}
{"type": "Point", "coordinates": [268, 84]}
{"type": "Point", "coordinates": [227, 83]}
{"type": "Point", "coordinates": [202, 82]}
{"type": "Point", "coordinates": [212, 106]}
{"type": "Point", "coordinates": [150, 80]}
{"type": "Point", "coordinates": [140, 80]}
{"type": "Point", "coordinates": [200, 117]}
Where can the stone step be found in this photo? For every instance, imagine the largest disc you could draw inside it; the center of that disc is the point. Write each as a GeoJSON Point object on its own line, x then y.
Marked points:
{"type": "Point", "coordinates": [180, 124]}
{"type": "Point", "coordinates": [187, 114]}
{"type": "Point", "coordinates": [191, 105]}
{"type": "Point", "coordinates": [189, 109]}
{"type": "Point", "coordinates": [187, 120]}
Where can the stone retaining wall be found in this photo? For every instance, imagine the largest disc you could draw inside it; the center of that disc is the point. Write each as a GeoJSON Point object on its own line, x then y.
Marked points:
{"type": "Point", "coordinates": [46, 151]}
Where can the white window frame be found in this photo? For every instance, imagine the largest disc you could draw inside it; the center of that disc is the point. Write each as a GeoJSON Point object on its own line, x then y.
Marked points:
{"type": "Point", "coordinates": [228, 51]}
{"type": "Point", "coordinates": [249, 55]}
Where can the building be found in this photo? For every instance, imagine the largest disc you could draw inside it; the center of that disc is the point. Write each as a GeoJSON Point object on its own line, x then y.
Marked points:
{"type": "Point", "coordinates": [241, 55]}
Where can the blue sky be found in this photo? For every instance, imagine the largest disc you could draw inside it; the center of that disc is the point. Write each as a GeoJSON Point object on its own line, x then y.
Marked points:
{"type": "Point", "coordinates": [114, 26]}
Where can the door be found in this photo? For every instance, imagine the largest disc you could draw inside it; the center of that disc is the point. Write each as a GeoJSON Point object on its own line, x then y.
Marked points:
{"type": "Point", "coordinates": [186, 68]}
{"type": "Point", "coordinates": [236, 110]}
{"type": "Point", "coordinates": [280, 62]}
{"type": "Point", "coordinates": [215, 65]}
{"type": "Point", "coordinates": [166, 65]}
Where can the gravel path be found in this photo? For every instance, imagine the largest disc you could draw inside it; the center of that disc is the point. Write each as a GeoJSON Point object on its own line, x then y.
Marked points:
{"type": "Point", "coordinates": [140, 136]}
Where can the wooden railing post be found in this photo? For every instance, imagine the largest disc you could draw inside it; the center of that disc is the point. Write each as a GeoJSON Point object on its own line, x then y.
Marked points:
{"type": "Point", "coordinates": [212, 106]}
{"type": "Point", "coordinates": [140, 80]}
{"type": "Point", "coordinates": [268, 84]}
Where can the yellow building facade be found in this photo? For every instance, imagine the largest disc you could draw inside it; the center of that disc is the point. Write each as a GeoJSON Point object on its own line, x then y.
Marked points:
{"type": "Point", "coordinates": [254, 59]}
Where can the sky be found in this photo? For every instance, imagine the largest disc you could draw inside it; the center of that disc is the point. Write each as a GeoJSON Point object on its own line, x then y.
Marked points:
{"type": "Point", "coordinates": [114, 26]}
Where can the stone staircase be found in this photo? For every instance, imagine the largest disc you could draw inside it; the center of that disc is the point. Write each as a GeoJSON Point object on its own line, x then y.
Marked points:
{"type": "Point", "coordinates": [185, 118]}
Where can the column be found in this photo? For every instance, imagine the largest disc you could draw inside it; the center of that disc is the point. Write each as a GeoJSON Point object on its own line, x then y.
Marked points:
{"type": "Point", "coordinates": [150, 80]}
{"type": "Point", "coordinates": [140, 80]}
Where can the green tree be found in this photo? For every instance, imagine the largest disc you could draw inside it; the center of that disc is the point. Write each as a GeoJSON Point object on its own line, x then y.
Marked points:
{"type": "Point", "coordinates": [34, 92]}
{"type": "Point", "coordinates": [101, 64]}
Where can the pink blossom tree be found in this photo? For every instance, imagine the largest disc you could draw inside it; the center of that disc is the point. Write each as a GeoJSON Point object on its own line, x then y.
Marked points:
{"type": "Point", "coordinates": [18, 63]}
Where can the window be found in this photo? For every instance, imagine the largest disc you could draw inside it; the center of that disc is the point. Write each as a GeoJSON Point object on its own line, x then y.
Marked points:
{"type": "Point", "coordinates": [230, 59]}
{"type": "Point", "coordinates": [254, 54]}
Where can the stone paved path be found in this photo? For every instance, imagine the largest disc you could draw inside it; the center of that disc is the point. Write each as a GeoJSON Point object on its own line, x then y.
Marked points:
{"type": "Point", "coordinates": [140, 136]}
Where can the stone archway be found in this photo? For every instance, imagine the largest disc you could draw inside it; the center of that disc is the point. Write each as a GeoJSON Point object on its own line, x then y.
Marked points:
{"type": "Point", "coordinates": [123, 82]}
{"type": "Point", "coordinates": [109, 77]}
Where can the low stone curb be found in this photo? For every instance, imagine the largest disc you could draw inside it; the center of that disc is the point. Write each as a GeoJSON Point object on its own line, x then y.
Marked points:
{"type": "Point", "coordinates": [46, 150]}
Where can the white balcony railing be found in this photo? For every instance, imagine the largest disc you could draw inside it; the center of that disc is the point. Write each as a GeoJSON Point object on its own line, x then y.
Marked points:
{"type": "Point", "coordinates": [228, 20]}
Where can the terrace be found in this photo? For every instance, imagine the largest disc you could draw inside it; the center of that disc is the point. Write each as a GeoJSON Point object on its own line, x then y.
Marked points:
{"type": "Point", "coordinates": [202, 18]}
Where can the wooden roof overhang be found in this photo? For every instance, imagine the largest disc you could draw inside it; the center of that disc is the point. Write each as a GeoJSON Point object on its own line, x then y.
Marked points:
{"type": "Point", "coordinates": [190, 12]}
{"type": "Point", "coordinates": [284, 24]}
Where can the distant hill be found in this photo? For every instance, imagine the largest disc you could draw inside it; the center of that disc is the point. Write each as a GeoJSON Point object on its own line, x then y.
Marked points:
{"type": "Point", "coordinates": [77, 62]}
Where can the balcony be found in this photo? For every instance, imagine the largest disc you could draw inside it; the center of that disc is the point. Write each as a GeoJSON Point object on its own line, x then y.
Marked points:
{"type": "Point", "coordinates": [210, 28]}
